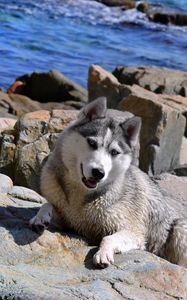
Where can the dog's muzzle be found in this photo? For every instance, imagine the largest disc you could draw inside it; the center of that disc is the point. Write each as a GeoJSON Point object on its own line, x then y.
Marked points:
{"type": "Point", "coordinates": [92, 182]}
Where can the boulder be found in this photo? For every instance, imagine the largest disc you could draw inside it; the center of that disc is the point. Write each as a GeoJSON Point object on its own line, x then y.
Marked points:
{"type": "Point", "coordinates": [166, 18]}
{"type": "Point", "coordinates": [57, 265]}
{"type": "Point", "coordinates": [103, 83]}
{"type": "Point", "coordinates": [155, 79]}
{"type": "Point", "coordinates": [13, 106]}
{"type": "Point", "coordinates": [125, 4]}
{"type": "Point", "coordinates": [143, 7]}
{"type": "Point", "coordinates": [163, 127]}
{"type": "Point", "coordinates": [24, 149]}
{"type": "Point", "coordinates": [51, 86]}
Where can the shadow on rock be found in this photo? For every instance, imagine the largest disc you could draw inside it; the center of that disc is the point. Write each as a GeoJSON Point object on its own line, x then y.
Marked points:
{"type": "Point", "coordinates": [16, 221]}
{"type": "Point", "coordinates": [88, 261]}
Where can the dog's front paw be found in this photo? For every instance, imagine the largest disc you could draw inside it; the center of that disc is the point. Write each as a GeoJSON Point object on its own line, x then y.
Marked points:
{"type": "Point", "coordinates": [43, 218]}
{"type": "Point", "coordinates": [38, 224]}
{"type": "Point", "coordinates": [103, 257]}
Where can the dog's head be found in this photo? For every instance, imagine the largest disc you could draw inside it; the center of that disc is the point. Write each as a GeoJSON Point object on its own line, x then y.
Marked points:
{"type": "Point", "coordinates": [98, 148]}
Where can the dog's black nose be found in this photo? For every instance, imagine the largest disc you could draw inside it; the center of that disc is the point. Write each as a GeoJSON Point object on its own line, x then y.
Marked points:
{"type": "Point", "coordinates": [98, 174]}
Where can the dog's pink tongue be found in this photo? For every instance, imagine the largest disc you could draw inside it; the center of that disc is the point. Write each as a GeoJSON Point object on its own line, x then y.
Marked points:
{"type": "Point", "coordinates": [91, 183]}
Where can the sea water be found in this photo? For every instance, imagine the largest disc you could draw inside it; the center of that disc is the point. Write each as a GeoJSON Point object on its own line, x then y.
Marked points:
{"type": "Point", "coordinates": [69, 35]}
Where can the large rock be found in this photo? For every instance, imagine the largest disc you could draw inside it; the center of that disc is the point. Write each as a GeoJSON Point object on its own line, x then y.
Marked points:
{"type": "Point", "coordinates": [163, 127]}
{"type": "Point", "coordinates": [51, 86]}
{"type": "Point", "coordinates": [24, 149]}
{"type": "Point", "coordinates": [57, 265]}
{"type": "Point", "coordinates": [162, 115]}
{"type": "Point", "coordinates": [15, 105]}
{"type": "Point", "coordinates": [143, 7]}
{"type": "Point", "coordinates": [162, 14]}
{"type": "Point", "coordinates": [155, 79]}
{"type": "Point", "coordinates": [125, 4]}
{"type": "Point", "coordinates": [167, 17]}
{"type": "Point", "coordinates": [103, 83]}
{"type": "Point", "coordinates": [158, 80]}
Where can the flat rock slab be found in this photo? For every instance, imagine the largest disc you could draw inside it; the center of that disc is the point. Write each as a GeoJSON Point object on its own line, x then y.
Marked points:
{"type": "Point", "coordinates": [24, 193]}
{"type": "Point", "coordinates": [176, 188]}
{"type": "Point", "coordinates": [155, 79]}
{"type": "Point", "coordinates": [57, 265]}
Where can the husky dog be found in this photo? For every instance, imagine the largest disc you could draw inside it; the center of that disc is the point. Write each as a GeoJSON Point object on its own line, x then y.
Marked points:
{"type": "Point", "coordinates": [91, 182]}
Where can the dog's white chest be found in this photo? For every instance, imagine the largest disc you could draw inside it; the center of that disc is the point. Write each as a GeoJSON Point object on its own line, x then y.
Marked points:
{"type": "Point", "coordinates": [93, 219]}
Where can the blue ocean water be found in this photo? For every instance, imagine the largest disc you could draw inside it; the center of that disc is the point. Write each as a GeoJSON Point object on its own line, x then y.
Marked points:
{"type": "Point", "coordinates": [69, 35]}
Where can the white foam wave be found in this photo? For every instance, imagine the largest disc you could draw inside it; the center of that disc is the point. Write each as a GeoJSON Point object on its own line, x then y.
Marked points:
{"type": "Point", "coordinates": [90, 11]}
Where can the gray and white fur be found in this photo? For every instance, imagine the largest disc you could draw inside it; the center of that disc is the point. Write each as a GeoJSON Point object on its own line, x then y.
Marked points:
{"type": "Point", "coordinates": [92, 183]}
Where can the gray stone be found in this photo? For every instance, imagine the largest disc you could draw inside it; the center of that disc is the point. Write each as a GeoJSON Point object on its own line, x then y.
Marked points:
{"type": "Point", "coordinates": [56, 265]}
{"type": "Point", "coordinates": [162, 131]}
{"type": "Point", "coordinates": [24, 193]}
{"type": "Point", "coordinates": [155, 79]}
{"type": "Point", "coordinates": [164, 81]}
{"type": "Point", "coordinates": [6, 184]}
{"type": "Point", "coordinates": [28, 162]}
{"type": "Point", "coordinates": [15, 104]}
{"type": "Point", "coordinates": [32, 126]}
{"type": "Point", "coordinates": [24, 150]}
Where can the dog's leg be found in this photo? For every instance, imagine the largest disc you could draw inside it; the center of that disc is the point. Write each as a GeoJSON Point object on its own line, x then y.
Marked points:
{"type": "Point", "coordinates": [118, 242]}
{"type": "Point", "coordinates": [176, 245]}
{"type": "Point", "coordinates": [43, 218]}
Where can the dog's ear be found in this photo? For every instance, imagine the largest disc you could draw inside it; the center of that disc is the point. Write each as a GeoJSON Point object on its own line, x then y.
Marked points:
{"type": "Point", "coordinates": [131, 128]}
{"type": "Point", "coordinates": [94, 110]}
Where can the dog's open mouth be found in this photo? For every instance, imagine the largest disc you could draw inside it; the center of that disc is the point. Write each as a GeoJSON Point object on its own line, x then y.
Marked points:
{"type": "Point", "coordinates": [90, 182]}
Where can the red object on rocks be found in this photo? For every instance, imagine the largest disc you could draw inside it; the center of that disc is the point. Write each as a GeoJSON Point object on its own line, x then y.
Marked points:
{"type": "Point", "coordinates": [16, 87]}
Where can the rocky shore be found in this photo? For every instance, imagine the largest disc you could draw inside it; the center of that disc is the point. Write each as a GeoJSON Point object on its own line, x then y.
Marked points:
{"type": "Point", "coordinates": [157, 14]}
{"type": "Point", "coordinates": [58, 265]}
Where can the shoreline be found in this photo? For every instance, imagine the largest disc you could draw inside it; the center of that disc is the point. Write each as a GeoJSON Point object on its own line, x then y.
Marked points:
{"type": "Point", "coordinates": [108, 37]}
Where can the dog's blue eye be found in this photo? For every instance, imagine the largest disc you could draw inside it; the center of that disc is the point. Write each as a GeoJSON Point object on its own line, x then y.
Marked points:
{"type": "Point", "coordinates": [92, 143]}
{"type": "Point", "coordinates": [114, 152]}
